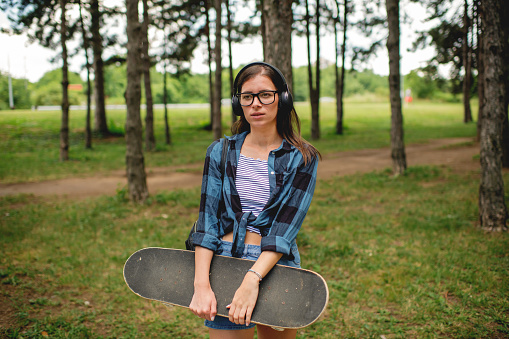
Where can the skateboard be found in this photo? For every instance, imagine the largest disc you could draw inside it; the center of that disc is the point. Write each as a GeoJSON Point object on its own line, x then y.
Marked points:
{"type": "Point", "coordinates": [288, 297]}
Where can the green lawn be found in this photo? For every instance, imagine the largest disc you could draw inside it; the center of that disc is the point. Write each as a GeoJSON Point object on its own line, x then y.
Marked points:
{"type": "Point", "coordinates": [402, 256]}
{"type": "Point", "coordinates": [29, 140]}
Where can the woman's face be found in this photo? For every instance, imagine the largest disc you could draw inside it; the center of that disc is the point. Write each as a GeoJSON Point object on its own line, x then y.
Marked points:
{"type": "Point", "coordinates": [259, 115]}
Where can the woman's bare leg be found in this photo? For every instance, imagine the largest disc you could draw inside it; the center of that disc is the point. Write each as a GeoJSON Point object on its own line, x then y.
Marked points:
{"type": "Point", "coordinates": [266, 332]}
{"type": "Point", "coordinates": [231, 334]}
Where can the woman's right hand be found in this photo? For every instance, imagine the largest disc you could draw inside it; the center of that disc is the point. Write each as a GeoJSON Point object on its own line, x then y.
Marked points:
{"type": "Point", "coordinates": [204, 303]}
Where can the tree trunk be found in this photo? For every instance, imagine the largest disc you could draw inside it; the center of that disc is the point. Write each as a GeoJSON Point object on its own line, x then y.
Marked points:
{"type": "Point", "coordinates": [340, 82]}
{"type": "Point", "coordinates": [480, 68]}
{"type": "Point", "coordinates": [505, 131]}
{"type": "Point", "coordinates": [230, 56]}
{"type": "Point", "coordinates": [150, 139]}
{"type": "Point", "coordinates": [467, 62]}
{"type": "Point", "coordinates": [135, 166]}
{"type": "Point", "coordinates": [397, 143]}
{"type": "Point", "coordinates": [64, 129]}
{"type": "Point", "coordinates": [88, 131]}
{"type": "Point", "coordinates": [313, 90]}
{"type": "Point", "coordinates": [492, 208]}
{"type": "Point", "coordinates": [315, 106]}
{"type": "Point", "coordinates": [209, 51]}
{"type": "Point", "coordinates": [165, 96]}
{"type": "Point", "coordinates": [277, 19]}
{"type": "Point", "coordinates": [339, 106]}
{"type": "Point", "coordinates": [101, 125]}
{"type": "Point", "coordinates": [216, 121]}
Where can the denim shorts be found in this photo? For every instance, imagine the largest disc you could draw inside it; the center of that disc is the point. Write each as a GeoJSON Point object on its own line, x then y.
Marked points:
{"type": "Point", "coordinates": [251, 252]}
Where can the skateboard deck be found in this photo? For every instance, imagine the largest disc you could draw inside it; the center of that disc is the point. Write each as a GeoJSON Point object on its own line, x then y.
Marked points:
{"type": "Point", "coordinates": [288, 298]}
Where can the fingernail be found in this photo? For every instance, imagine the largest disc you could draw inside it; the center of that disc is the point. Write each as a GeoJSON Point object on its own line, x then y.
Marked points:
{"type": "Point", "coordinates": [228, 306]}
{"type": "Point", "coordinates": [212, 319]}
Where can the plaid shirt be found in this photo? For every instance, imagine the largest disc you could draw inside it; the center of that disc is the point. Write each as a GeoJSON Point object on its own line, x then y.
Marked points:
{"type": "Point", "coordinates": [291, 185]}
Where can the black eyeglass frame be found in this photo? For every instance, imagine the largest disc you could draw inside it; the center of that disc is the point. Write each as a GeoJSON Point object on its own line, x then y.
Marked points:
{"type": "Point", "coordinates": [257, 96]}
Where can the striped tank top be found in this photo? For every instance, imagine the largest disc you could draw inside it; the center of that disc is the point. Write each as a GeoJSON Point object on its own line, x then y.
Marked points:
{"type": "Point", "coordinates": [253, 186]}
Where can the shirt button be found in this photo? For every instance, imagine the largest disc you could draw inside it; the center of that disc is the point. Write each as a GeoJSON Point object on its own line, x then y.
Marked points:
{"type": "Point", "coordinates": [272, 172]}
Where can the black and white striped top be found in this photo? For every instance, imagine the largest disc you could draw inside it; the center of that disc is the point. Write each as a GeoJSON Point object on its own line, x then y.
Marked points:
{"type": "Point", "coordinates": [253, 186]}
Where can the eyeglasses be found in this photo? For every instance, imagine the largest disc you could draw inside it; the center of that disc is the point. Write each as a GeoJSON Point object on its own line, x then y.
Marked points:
{"type": "Point", "coordinates": [265, 97]}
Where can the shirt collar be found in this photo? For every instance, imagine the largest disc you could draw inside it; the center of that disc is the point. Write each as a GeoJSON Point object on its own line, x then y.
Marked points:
{"type": "Point", "coordinates": [285, 145]}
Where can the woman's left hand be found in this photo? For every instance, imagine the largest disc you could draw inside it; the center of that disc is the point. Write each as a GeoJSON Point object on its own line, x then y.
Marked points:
{"type": "Point", "coordinates": [244, 301]}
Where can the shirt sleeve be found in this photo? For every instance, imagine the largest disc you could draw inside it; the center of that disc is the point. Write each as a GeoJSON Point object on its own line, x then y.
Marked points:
{"type": "Point", "coordinates": [292, 210]}
{"type": "Point", "coordinates": [207, 227]}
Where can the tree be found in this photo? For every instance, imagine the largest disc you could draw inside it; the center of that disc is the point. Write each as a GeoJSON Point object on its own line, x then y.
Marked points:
{"type": "Point", "coordinates": [180, 24]}
{"type": "Point", "coordinates": [492, 208]}
{"type": "Point", "coordinates": [88, 130]}
{"type": "Point", "coordinates": [451, 38]}
{"type": "Point", "coordinates": [135, 165]}
{"type": "Point", "coordinates": [209, 62]}
{"type": "Point", "coordinates": [505, 130]}
{"type": "Point", "coordinates": [150, 139]}
{"type": "Point", "coordinates": [216, 115]}
{"type": "Point", "coordinates": [64, 129]}
{"type": "Point", "coordinates": [100, 122]}
{"type": "Point", "coordinates": [167, 132]}
{"type": "Point", "coordinates": [230, 56]}
{"type": "Point", "coordinates": [340, 81]}
{"type": "Point", "coordinates": [397, 144]}
{"type": "Point", "coordinates": [277, 19]}
{"type": "Point", "coordinates": [314, 89]}
{"type": "Point", "coordinates": [480, 66]}
{"type": "Point", "coordinates": [467, 65]}
{"type": "Point", "coordinates": [37, 19]}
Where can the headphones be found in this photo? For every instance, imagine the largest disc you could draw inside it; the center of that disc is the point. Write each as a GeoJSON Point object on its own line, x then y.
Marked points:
{"type": "Point", "coordinates": [285, 103]}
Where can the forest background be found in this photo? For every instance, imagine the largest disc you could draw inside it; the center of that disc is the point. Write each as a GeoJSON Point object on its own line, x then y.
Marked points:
{"type": "Point", "coordinates": [193, 88]}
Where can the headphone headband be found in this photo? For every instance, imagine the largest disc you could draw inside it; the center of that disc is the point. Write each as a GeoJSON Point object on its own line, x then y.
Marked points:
{"type": "Point", "coordinates": [285, 97]}
{"type": "Point", "coordinates": [235, 83]}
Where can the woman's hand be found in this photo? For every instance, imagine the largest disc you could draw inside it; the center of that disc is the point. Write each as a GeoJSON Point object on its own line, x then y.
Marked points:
{"type": "Point", "coordinates": [244, 301]}
{"type": "Point", "coordinates": [204, 303]}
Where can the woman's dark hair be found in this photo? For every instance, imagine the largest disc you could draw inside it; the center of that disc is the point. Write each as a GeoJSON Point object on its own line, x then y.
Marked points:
{"type": "Point", "coordinates": [288, 123]}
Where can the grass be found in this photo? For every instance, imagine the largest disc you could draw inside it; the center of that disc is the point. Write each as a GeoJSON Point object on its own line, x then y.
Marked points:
{"type": "Point", "coordinates": [402, 256]}
{"type": "Point", "coordinates": [29, 140]}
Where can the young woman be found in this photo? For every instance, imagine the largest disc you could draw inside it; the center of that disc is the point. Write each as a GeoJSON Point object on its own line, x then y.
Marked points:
{"type": "Point", "coordinates": [257, 210]}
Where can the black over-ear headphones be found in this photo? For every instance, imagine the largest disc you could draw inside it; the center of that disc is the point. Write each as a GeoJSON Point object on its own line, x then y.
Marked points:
{"type": "Point", "coordinates": [285, 103]}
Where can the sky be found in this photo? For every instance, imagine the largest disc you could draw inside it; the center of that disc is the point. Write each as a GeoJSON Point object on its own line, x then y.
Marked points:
{"type": "Point", "coordinates": [22, 59]}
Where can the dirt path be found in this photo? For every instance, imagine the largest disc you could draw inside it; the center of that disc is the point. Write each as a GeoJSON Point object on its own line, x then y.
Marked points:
{"type": "Point", "coordinates": [456, 153]}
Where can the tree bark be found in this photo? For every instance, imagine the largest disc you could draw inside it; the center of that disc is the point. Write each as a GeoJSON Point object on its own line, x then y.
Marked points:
{"type": "Point", "coordinates": [216, 121]}
{"type": "Point", "coordinates": [150, 139]}
{"type": "Point", "coordinates": [397, 144]}
{"type": "Point", "coordinates": [101, 125]}
{"type": "Point", "coordinates": [505, 130]}
{"type": "Point", "coordinates": [135, 165]}
{"type": "Point", "coordinates": [492, 208]}
{"type": "Point", "coordinates": [277, 19]}
{"type": "Point", "coordinates": [88, 130]}
{"type": "Point", "coordinates": [467, 62]}
{"type": "Point", "coordinates": [64, 129]}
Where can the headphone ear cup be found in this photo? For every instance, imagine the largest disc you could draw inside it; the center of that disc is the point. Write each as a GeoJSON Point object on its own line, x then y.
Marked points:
{"type": "Point", "coordinates": [285, 101]}
{"type": "Point", "coordinates": [237, 109]}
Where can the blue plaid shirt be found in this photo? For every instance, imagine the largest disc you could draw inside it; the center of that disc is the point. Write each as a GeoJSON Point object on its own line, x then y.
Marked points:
{"type": "Point", "coordinates": [291, 185]}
